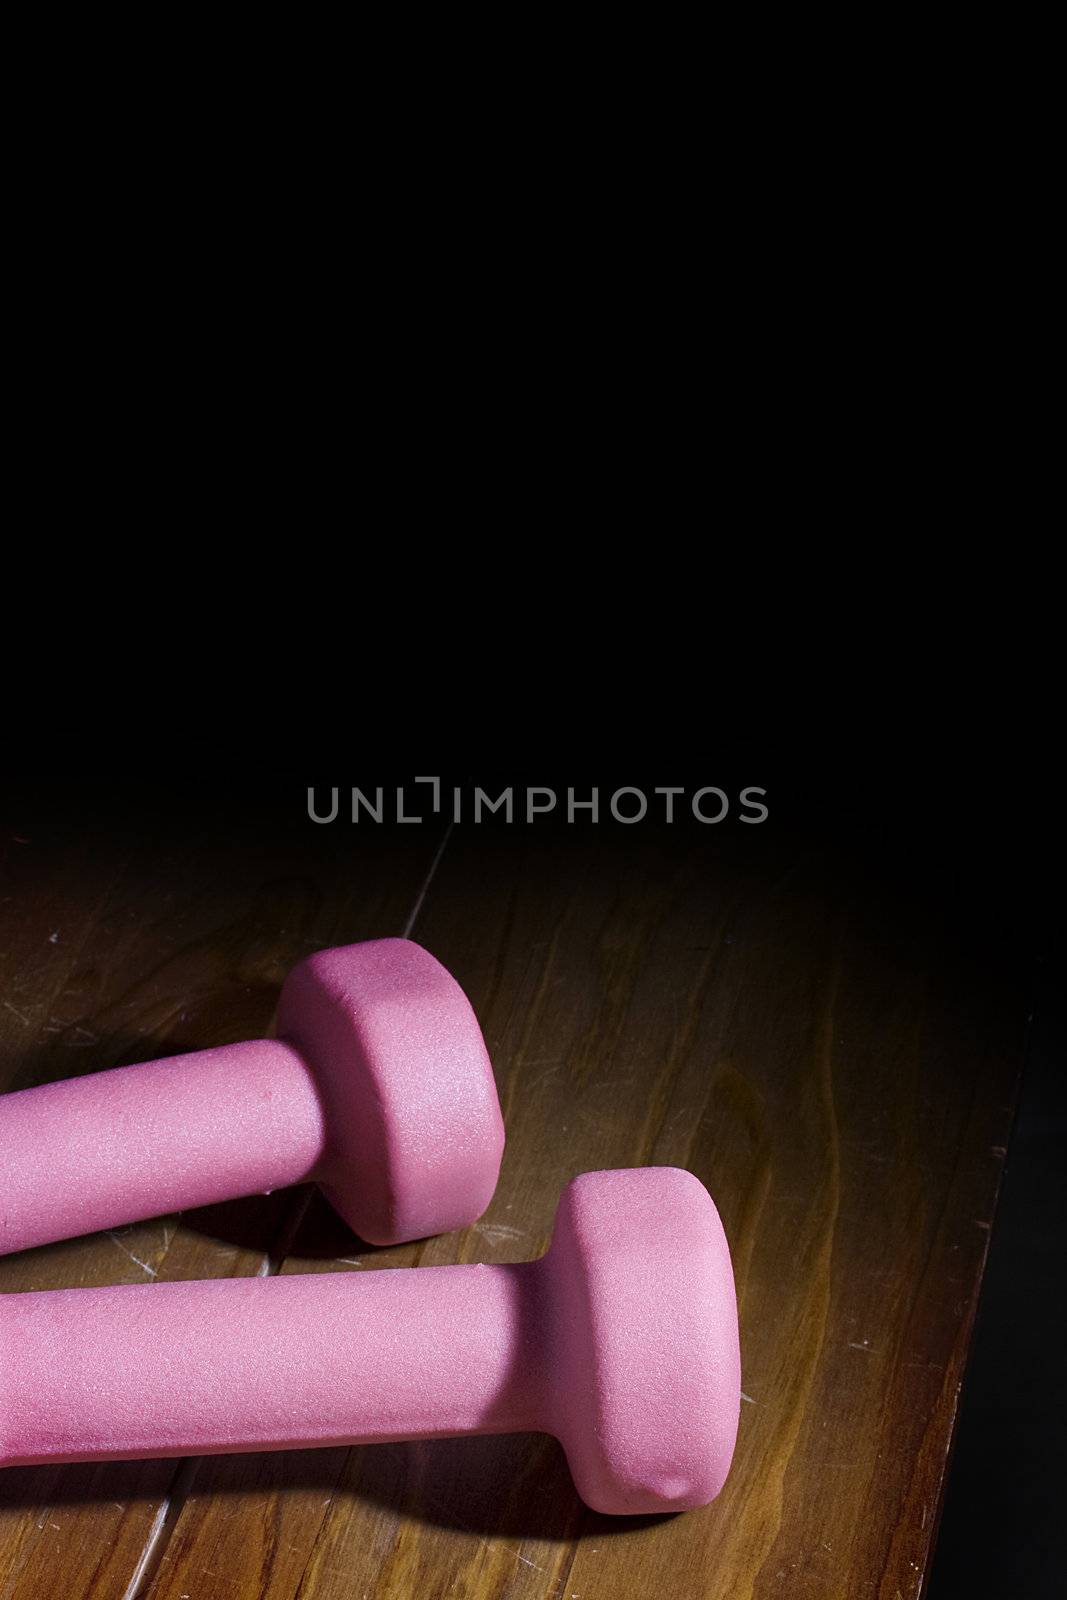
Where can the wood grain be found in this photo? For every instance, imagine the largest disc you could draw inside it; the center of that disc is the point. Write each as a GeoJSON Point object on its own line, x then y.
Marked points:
{"type": "Point", "coordinates": [802, 1028]}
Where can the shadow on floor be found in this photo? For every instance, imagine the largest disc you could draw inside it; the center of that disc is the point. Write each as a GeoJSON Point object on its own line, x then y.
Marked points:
{"type": "Point", "coordinates": [513, 1485]}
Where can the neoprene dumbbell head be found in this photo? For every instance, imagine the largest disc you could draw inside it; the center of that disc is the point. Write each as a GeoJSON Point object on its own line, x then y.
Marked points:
{"type": "Point", "coordinates": [647, 1370]}
{"type": "Point", "coordinates": [414, 1132]}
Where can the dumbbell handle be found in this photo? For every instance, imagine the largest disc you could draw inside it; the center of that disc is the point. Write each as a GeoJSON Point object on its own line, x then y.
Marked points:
{"type": "Point", "coordinates": [239, 1364]}
{"type": "Point", "coordinates": [112, 1147]}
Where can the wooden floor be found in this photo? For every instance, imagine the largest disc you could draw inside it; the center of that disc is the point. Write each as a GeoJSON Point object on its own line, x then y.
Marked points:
{"type": "Point", "coordinates": [798, 1028]}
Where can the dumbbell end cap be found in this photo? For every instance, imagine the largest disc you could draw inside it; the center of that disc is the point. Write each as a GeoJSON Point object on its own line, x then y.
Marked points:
{"type": "Point", "coordinates": [414, 1130]}
{"type": "Point", "coordinates": [649, 1386]}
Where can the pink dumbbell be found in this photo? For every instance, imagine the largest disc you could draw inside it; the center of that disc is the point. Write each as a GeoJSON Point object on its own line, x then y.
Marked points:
{"type": "Point", "coordinates": [621, 1341]}
{"type": "Point", "coordinates": [379, 1087]}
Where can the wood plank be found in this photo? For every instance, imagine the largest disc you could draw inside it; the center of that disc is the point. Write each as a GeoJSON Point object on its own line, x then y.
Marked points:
{"type": "Point", "coordinates": [811, 1036]}
{"type": "Point", "coordinates": [118, 947]}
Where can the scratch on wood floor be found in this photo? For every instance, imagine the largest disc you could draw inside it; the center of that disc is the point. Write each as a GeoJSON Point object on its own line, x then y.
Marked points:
{"type": "Point", "coordinates": [135, 1259]}
{"type": "Point", "coordinates": [488, 1543]}
{"type": "Point", "coordinates": [15, 1012]}
{"type": "Point", "coordinates": [544, 1076]}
